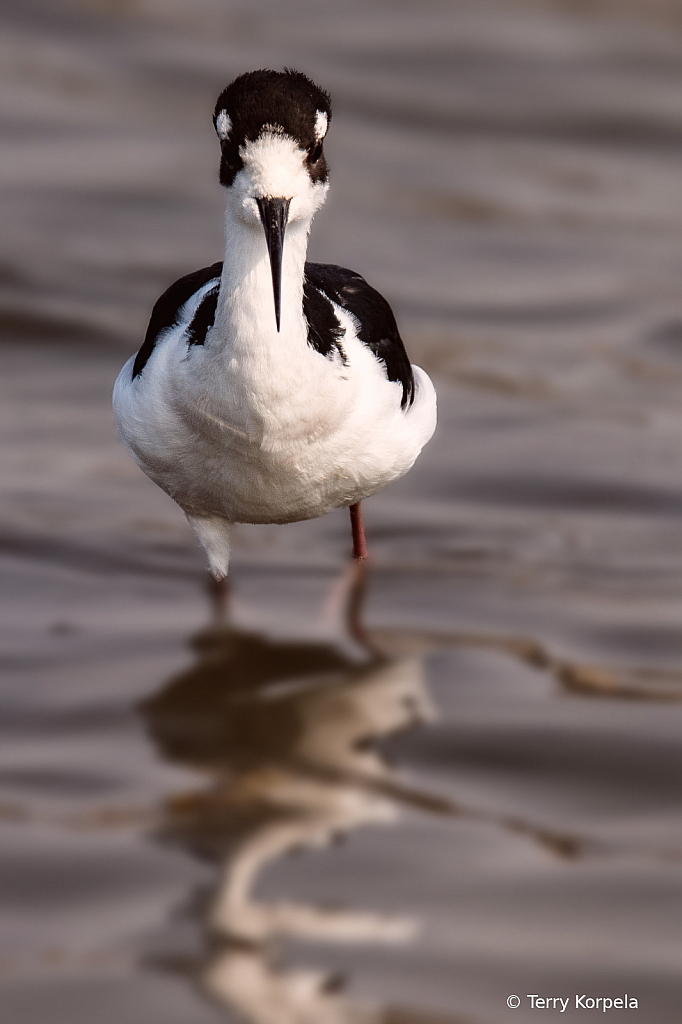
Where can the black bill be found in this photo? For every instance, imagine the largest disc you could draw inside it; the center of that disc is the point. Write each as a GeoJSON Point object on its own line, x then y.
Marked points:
{"type": "Point", "coordinates": [274, 214]}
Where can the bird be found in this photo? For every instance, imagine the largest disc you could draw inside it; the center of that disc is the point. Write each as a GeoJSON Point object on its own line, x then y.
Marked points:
{"type": "Point", "coordinates": [271, 389]}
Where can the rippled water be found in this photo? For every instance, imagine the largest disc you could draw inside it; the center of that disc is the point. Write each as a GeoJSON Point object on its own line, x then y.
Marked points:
{"type": "Point", "coordinates": [485, 798]}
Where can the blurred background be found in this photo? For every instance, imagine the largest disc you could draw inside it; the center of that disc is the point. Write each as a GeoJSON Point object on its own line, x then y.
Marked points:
{"type": "Point", "coordinates": [506, 777]}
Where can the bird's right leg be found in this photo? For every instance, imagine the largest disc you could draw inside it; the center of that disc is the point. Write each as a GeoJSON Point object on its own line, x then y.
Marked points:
{"type": "Point", "coordinates": [214, 537]}
{"type": "Point", "coordinates": [219, 594]}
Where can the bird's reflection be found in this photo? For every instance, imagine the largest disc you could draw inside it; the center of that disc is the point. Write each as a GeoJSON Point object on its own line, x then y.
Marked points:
{"type": "Point", "coordinates": [284, 730]}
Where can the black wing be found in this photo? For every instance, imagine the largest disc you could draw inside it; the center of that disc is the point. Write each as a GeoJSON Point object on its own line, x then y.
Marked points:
{"type": "Point", "coordinates": [324, 330]}
{"type": "Point", "coordinates": [168, 306]}
{"type": "Point", "coordinates": [376, 324]}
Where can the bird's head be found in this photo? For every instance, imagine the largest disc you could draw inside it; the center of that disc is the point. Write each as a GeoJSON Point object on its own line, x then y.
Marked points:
{"type": "Point", "coordinates": [271, 126]}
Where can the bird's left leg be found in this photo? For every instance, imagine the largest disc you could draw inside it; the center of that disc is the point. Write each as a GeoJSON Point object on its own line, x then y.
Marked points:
{"type": "Point", "coordinates": [358, 530]}
{"type": "Point", "coordinates": [355, 585]}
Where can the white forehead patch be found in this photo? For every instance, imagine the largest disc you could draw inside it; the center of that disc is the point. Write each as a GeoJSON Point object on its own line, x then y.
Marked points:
{"type": "Point", "coordinates": [321, 122]}
{"type": "Point", "coordinates": [273, 166]}
{"type": "Point", "coordinates": [223, 124]}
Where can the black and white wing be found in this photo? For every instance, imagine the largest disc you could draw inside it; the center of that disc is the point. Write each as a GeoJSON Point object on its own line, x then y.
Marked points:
{"type": "Point", "coordinates": [168, 310]}
{"type": "Point", "coordinates": [376, 324]}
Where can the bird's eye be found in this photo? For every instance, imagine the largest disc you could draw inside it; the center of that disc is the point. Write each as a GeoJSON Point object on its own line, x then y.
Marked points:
{"type": "Point", "coordinates": [316, 153]}
{"type": "Point", "coordinates": [231, 160]}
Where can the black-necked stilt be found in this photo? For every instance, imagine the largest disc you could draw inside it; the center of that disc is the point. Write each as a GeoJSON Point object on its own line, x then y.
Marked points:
{"type": "Point", "coordinates": [245, 413]}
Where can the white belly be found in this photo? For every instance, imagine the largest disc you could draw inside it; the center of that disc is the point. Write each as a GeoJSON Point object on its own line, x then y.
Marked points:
{"type": "Point", "coordinates": [270, 445]}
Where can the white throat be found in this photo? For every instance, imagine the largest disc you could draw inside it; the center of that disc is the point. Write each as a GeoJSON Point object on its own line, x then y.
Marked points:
{"type": "Point", "coordinates": [273, 166]}
{"type": "Point", "coordinates": [246, 306]}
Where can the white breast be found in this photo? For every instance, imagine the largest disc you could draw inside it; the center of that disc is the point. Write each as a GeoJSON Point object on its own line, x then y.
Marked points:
{"type": "Point", "coordinates": [271, 434]}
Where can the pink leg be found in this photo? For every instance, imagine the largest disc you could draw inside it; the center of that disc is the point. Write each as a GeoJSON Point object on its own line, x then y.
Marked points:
{"type": "Point", "coordinates": [358, 586]}
{"type": "Point", "coordinates": [219, 596]}
{"type": "Point", "coordinates": [359, 543]}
